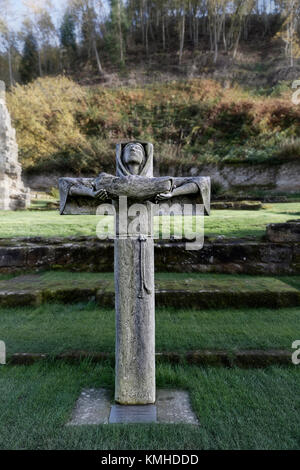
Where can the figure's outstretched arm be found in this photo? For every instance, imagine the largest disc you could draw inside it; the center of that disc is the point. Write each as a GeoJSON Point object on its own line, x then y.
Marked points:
{"type": "Point", "coordinates": [188, 188]}
{"type": "Point", "coordinates": [100, 194]}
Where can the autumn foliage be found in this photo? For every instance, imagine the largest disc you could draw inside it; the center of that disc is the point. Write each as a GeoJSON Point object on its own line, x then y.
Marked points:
{"type": "Point", "coordinates": [61, 125]}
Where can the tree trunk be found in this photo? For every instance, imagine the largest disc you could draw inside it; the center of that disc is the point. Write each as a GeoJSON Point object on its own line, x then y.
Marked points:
{"type": "Point", "coordinates": [100, 69]}
{"type": "Point", "coordinates": [40, 63]}
{"type": "Point", "coordinates": [163, 33]}
{"type": "Point", "coordinates": [236, 44]}
{"type": "Point", "coordinates": [120, 32]}
{"type": "Point", "coordinates": [224, 36]}
{"type": "Point", "coordinates": [216, 50]}
{"type": "Point", "coordinates": [291, 48]}
{"type": "Point", "coordinates": [146, 37]}
{"type": "Point", "coordinates": [196, 32]}
{"type": "Point", "coordinates": [142, 23]}
{"type": "Point", "coordinates": [182, 30]}
{"type": "Point", "coordinates": [11, 78]}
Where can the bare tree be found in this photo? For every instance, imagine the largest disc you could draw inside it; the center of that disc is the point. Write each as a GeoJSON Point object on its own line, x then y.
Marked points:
{"type": "Point", "coordinates": [289, 32]}
{"type": "Point", "coordinates": [181, 29]}
{"type": "Point", "coordinates": [87, 13]}
{"type": "Point", "coordinates": [7, 16]}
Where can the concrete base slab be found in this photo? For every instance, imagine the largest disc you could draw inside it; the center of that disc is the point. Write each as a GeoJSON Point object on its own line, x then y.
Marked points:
{"type": "Point", "coordinates": [94, 406]}
{"type": "Point", "coordinates": [173, 406]}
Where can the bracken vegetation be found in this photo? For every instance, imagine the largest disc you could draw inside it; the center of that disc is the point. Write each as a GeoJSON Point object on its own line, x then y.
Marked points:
{"type": "Point", "coordinates": [62, 125]}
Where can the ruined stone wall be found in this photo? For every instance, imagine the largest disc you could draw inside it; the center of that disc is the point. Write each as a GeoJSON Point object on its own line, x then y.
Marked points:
{"type": "Point", "coordinates": [89, 254]}
{"type": "Point", "coordinates": [13, 194]}
{"type": "Point", "coordinates": [281, 178]}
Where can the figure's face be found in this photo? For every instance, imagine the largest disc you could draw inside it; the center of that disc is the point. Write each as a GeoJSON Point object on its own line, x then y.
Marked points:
{"type": "Point", "coordinates": [134, 157]}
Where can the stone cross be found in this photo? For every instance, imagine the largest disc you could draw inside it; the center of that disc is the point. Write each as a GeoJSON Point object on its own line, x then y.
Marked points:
{"type": "Point", "coordinates": [134, 255]}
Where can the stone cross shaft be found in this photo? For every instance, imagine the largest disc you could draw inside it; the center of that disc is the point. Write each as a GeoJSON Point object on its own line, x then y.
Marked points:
{"type": "Point", "coordinates": [133, 256]}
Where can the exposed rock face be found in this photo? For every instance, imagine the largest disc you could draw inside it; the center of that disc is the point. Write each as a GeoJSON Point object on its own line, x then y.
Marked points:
{"type": "Point", "coordinates": [13, 194]}
{"type": "Point", "coordinates": [242, 176]}
{"type": "Point", "coordinates": [232, 177]}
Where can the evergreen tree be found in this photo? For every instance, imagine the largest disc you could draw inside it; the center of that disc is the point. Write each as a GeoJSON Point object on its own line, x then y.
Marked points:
{"type": "Point", "coordinates": [29, 65]}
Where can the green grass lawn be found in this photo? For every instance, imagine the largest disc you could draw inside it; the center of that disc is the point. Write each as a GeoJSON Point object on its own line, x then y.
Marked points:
{"type": "Point", "coordinates": [56, 328]}
{"type": "Point", "coordinates": [237, 409]}
{"type": "Point", "coordinates": [229, 223]}
{"type": "Point", "coordinates": [174, 281]}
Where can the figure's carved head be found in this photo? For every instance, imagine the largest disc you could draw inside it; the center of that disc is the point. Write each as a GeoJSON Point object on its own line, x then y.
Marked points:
{"type": "Point", "coordinates": [134, 157]}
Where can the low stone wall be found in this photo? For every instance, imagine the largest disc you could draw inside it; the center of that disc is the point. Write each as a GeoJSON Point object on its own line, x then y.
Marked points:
{"type": "Point", "coordinates": [92, 255]}
{"type": "Point", "coordinates": [232, 176]}
{"type": "Point", "coordinates": [286, 232]}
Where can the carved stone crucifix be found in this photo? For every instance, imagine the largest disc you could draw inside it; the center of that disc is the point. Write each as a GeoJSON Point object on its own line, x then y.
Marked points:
{"type": "Point", "coordinates": [134, 256]}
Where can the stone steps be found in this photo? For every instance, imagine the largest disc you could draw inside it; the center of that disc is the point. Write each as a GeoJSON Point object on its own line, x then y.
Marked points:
{"type": "Point", "coordinates": [185, 292]}
{"type": "Point", "coordinates": [89, 254]}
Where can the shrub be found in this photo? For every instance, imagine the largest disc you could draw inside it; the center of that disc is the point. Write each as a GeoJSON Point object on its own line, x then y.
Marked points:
{"type": "Point", "coordinates": [63, 127]}
{"type": "Point", "coordinates": [288, 150]}
{"type": "Point", "coordinates": [216, 188]}
{"type": "Point", "coordinates": [44, 113]}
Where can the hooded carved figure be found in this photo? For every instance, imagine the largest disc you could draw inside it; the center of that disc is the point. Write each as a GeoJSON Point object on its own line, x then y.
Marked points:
{"type": "Point", "coordinates": [134, 179]}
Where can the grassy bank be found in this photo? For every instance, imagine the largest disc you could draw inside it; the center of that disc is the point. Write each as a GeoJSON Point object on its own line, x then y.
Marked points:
{"type": "Point", "coordinates": [229, 223]}
{"type": "Point", "coordinates": [237, 409]}
{"type": "Point", "coordinates": [62, 126]}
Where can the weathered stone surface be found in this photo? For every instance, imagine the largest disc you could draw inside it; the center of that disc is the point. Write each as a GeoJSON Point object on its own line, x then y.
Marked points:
{"type": "Point", "coordinates": [174, 406]}
{"type": "Point", "coordinates": [243, 176]}
{"type": "Point", "coordinates": [263, 177]}
{"type": "Point", "coordinates": [13, 257]}
{"type": "Point", "coordinates": [237, 205]}
{"type": "Point", "coordinates": [13, 194]}
{"type": "Point", "coordinates": [92, 407]}
{"type": "Point", "coordinates": [135, 323]}
{"type": "Point", "coordinates": [285, 232]}
{"type": "Point", "coordinates": [133, 258]}
{"type": "Point", "coordinates": [20, 298]}
{"type": "Point", "coordinates": [93, 255]}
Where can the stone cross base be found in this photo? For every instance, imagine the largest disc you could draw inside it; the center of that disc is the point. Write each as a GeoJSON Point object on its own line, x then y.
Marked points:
{"type": "Point", "coordinates": [94, 407]}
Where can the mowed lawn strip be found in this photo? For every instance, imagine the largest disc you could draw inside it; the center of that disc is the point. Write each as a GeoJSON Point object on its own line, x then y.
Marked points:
{"type": "Point", "coordinates": [202, 291]}
{"type": "Point", "coordinates": [229, 223]}
{"type": "Point", "coordinates": [190, 282]}
{"type": "Point", "coordinates": [237, 409]}
{"type": "Point", "coordinates": [57, 328]}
